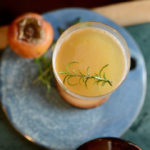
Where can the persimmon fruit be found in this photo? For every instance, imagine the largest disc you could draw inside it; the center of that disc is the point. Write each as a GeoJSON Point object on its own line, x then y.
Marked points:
{"type": "Point", "coordinates": [29, 35]}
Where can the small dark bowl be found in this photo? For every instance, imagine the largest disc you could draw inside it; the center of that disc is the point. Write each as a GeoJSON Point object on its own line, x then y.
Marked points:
{"type": "Point", "coordinates": [109, 143]}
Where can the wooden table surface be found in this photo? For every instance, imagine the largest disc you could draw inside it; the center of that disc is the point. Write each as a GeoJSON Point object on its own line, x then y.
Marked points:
{"type": "Point", "coordinates": [125, 13]}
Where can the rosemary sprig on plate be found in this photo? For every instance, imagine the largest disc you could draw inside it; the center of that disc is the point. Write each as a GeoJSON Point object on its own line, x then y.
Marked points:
{"type": "Point", "coordinates": [45, 75]}
{"type": "Point", "coordinates": [61, 30]}
{"type": "Point", "coordinates": [44, 63]}
{"type": "Point", "coordinates": [97, 77]}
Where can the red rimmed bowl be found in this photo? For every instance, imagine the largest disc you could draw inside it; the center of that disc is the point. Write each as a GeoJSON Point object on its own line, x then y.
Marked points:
{"type": "Point", "coordinates": [109, 143]}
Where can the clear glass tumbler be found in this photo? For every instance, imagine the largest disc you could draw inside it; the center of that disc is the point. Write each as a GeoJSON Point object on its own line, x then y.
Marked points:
{"type": "Point", "coordinates": [87, 101]}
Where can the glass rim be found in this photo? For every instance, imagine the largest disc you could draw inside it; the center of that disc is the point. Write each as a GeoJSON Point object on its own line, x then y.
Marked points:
{"type": "Point", "coordinates": [108, 29]}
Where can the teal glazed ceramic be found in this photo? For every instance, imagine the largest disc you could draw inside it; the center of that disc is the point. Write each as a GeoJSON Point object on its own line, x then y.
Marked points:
{"type": "Point", "coordinates": [48, 120]}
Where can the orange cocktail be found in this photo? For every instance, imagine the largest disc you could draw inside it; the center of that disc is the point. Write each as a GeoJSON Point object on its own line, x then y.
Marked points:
{"type": "Point", "coordinates": [89, 63]}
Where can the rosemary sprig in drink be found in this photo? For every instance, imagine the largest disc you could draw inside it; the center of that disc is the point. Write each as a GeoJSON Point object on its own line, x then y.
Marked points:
{"type": "Point", "coordinates": [98, 78]}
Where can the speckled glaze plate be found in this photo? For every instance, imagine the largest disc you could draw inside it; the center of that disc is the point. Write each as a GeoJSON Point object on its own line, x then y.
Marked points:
{"type": "Point", "coordinates": [45, 118]}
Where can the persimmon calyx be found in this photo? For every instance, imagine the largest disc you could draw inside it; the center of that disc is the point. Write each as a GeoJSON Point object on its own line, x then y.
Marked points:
{"type": "Point", "coordinates": [30, 30]}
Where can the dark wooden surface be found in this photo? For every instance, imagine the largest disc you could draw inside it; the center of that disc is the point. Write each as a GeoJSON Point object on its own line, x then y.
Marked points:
{"type": "Point", "coordinates": [9, 9]}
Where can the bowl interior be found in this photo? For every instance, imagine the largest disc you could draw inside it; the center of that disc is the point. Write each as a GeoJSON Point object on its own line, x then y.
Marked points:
{"type": "Point", "coordinates": [109, 143]}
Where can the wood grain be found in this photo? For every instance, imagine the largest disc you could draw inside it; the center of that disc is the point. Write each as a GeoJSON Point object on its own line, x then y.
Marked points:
{"type": "Point", "coordinates": [3, 37]}
{"type": "Point", "coordinates": [126, 13]}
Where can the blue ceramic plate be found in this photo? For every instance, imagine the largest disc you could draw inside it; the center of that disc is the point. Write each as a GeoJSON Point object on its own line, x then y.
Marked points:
{"type": "Point", "coordinates": [45, 118]}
